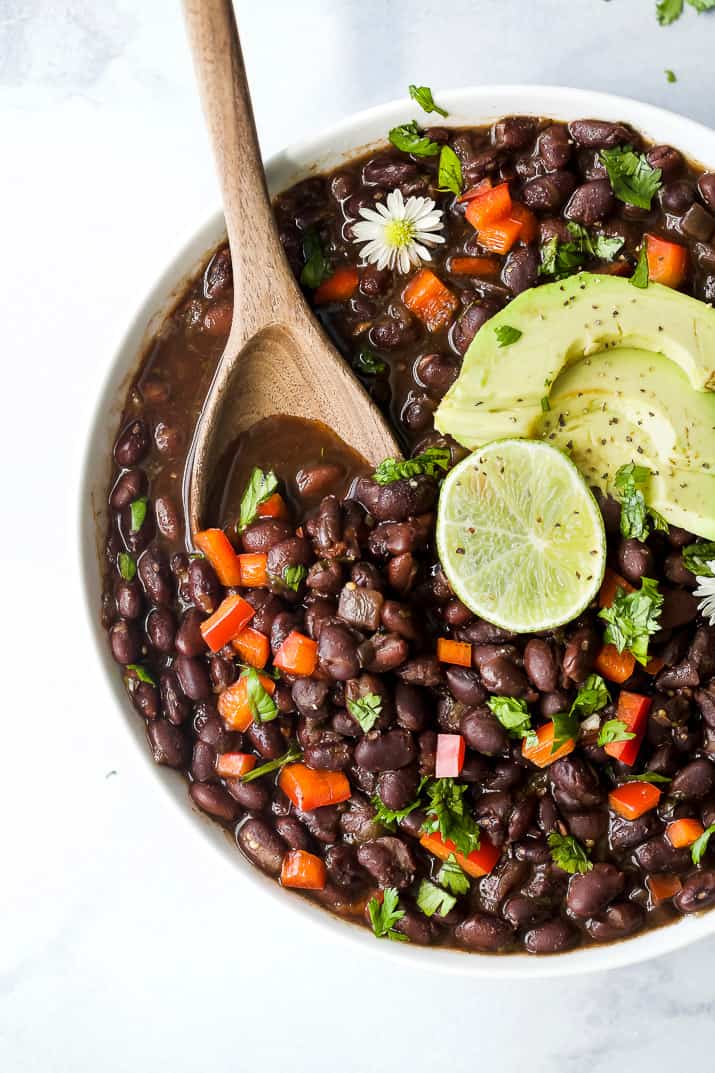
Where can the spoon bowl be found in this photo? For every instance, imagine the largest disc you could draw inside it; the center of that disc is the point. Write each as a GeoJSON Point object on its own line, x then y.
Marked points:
{"type": "Point", "coordinates": [277, 360]}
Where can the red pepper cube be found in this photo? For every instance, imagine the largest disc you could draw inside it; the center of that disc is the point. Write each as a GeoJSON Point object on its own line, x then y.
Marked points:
{"type": "Point", "coordinates": [450, 756]}
{"type": "Point", "coordinates": [633, 711]}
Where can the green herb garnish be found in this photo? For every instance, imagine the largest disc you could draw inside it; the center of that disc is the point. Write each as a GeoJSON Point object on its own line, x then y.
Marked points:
{"type": "Point", "coordinates": [591, 697]}
{"type": "Point", "coordinates": [366, 710]}
{"type": "Point", "coordinates": [649, 776]}
{"type": "Point", "coordinates": [127, 566]}
{"type": "Point", "coordinates": [384, 915]}
{"type": "Point", "coordinates": [614, 730]}
{"type": "Point", "coordinates": [635, 515]}
{"type": "Point", "coordinates": [293, 754]}
{"type": "Point", "coordinates": [317, 266]}
{"type": "Point", "coordinates": [366, 361]}
{"type": "Point", "coordinates": [506, 335]}
{"type": "Point", "coordinates": [668, 11]}
{"type": "Point", "coordinates": [432, 899]}
{"type": "Point", "coordinates": [261, 486]}
{"type": "Point", "coordinates": [449, 174]}
{"type": "Point", "coordinates": [700, 845]}
{"type": "Point", "coordinates": [640, 275]}
{"type": "Point", "coordinates": [432, 462]}
{"type": "Point", "coordinates": [447, 812]}
{"type": "Point", "coordinates": [698, 559]}
{"type": "Point", "coordinates": [423, 96]}
{"type": "Point", "coordinates": [142, 673]}
{"type": "Point", "coordinates": [452, 877]}
{"type": "Point", "coordinates": [633, 618]}
{"type": "Point", "coordinates": [545, 405]}
{"type": "Point", "coordinates": [515, 717]}
{"type": "Point", "coordinates": [389, 817]}
{"type": "Point", "coordinates": [633, 180]}
{"type": "Point", "coordinates": [670, 76]}
{"type": "Point", "coordinates": [137, 513]}
{"type": "Point", "coordinates": [263, 707]}
{"type": "Point", "coordinates": [407, 139]}
{"type": "Point", "coordinates": [561, 259]}
{"type": "Point", "coordinates": [568, 854]}
{"type": "Point", "coordinates": [294, 576]}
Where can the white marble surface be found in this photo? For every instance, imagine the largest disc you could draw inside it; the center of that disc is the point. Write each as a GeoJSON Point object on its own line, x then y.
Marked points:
{"type": "Point", "coordinates": [114, 955]}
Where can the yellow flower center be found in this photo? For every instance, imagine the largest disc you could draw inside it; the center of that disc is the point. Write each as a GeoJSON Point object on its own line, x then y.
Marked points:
{"type": "Point", "coordinates": [399, 233]}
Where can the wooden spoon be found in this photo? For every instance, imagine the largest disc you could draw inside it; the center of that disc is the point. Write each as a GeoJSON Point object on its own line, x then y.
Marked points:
{"type": "Point", "coordinates": [277, 360]}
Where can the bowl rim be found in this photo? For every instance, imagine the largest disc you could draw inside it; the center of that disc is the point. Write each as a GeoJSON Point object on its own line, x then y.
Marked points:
{"type": "Point", "coordinates": [311, 155]}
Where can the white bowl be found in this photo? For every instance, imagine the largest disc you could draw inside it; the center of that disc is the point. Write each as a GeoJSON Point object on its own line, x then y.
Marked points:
{"type": "Point", "coordinates": [349, 138]}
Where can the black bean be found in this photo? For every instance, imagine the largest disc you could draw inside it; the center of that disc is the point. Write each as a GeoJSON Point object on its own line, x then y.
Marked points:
{"type": "Point", "coordinates": [551, 937]}
{"type": "Point", "coordinates": [323, 823]}
{"type": "Point", "coordinates": [161, 628]}
{"type": "Point", "coordinates": [325, 577]}
{"type": "Point", "coordinates": [482, 931]}
{"type": "Point", "coordinates": [483, 732]}
{"type": "Point", "coordinates": [386, 752]}
{"type": "Point", "coordinates": [329, 755]}
{"type": "Point", "coordinates": [129, 486]}
{"type": "Point", "coordinates": [679, 607]}
{"type": "Point", "coordinates": [669, 160]}
{"type": "Point", "coordinates": [590, 202]}
{"type": "Point", "coordinates": [264, 534]}
{"type": "Point", "coordinates": [193, 678]}
{"type": "Point", "coordinates": [395, 329]}
{"type": "Point", "coordinates": [416, 927]}
{"type": "Point", "coordinates": [677, 197]}
{"type": "Point", "coordinates": [262, 845]}
{"type": "Point", "coordinates": [167, 518]}
{"type": "Point", "coordinates": [580, 654]}
{"type": "Point", "coordinates": [524, 912]}
{"type": "Point", "coordinates": [574, 783]}
{"type": "Point", "coordinates": [360, 607]}
{"type": "Point", "coordinates": [625, 834]}
{"type": "Point", "coordinates": [514, 132]}
{"type": "Point", "coordinates": [342, 865]}
{"type": "Point", "coordinates": [253, 796]}
{"type": "Point", "coordinates": [421, 671]}
{"type": "Point", "coordinates": [587, 826]}
{"type": "Point", "coordinates": [589, 893]}
{"type": "Point", "coordinates": [635, 559]}
{"type": "Point", "coordinates": [402, 571]}
{"type": "Point", "coordinates": [534, 850]}
{"type": "Point", "coordinates": [698, 892]}
{"type": "Point", "coordinates": [174, 704]}
{"type": "Point", "coordinates": [145, 697]}
{"type": "Point", "coordinates": [541, 665]}
{"type": "Point", "coordinates": [411, 705]}
{"type": "Point", "coordinates": [618, 921]}
{"type": "Point", "coordinates": [503, 677]}
{"type": "Point", "coordinates": [388, 651]}
{"type": "Point", "coordinates": [398, 788]}
{"type": "Point", "coordinates": [266, 739]}
{"type": "Point", "coordinates": [521, 819]}
{"type": "Point", "coordinates": [337, 652]}
{"type": "Point", "coordinates": [696, 779]}
{"type": "Point", "coordinates": [168, 744]}
{"type": "Point", "coordinates": [132, 443]}
{"type": "Point", "coordinates": [554, 147]}
{"type": "Point", "coordinates": [293, 551]}
{"type": "Point", "coordinates": [466, 327]}
{"type": "Point", "coordinates": [658, 855]}
{"type": "Point", "coordinates": [128, 598]}
{"type": "Point", "coordinates": [203, 762]}
{"type": "Point", "coordinates": [395, 538]}
{"type": "Point", "coordinates": [706, 189]}
{"type": "Point", "coordinates": [389, 861]}
{"type": "Point", "coordinates": [125, 642]}
{"type": "Point", "coordinates": [599, 134]}
{"type": "Point", "coordinates": [547, 815]}
{"type": "Point", "coordinates": [548, 193]}
{"type": "Point", "coordinates": [292, 832]}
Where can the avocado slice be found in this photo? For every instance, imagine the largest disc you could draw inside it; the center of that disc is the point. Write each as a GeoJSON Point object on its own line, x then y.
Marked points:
{"type": "Point", "coordinates": [609, 372]}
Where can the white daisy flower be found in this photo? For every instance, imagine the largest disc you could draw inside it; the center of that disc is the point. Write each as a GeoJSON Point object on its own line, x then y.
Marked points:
{"type": "Point", "coordinates": [397, 234]}
{"type": "Point", "coordinates": [706, 592]}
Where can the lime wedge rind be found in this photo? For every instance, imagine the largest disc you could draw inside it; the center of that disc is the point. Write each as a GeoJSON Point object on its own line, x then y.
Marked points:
{"type": "Point", "coordinates": [520, 536]}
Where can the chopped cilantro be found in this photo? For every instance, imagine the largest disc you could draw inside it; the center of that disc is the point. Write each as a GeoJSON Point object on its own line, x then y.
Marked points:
{"type": "Point", "coordinates": [293, 754]}
{"type": "Point", "coordinates": [294, 576]}
{"type": "Point", "coordinates": [447, 812]}
{"type": "Point", "coordinates": [565, 728]}
{"type": "Point", "coordinates": [506, 335]}
{"type": "Point", "coordinates": [385, 914]}
{"type": "Point", "coordinates": [449, 174]}
{"type": "Point", "coordinates": [514, 716]}
{"type": "Point", "coordinates": [137, 513]}
{"type": "Point", "coordinates": [431, 462]}
{"type": "Point", "coordinates": [408, 139]}
{"type": "Point", "coordinates": [640, 276]}
{"type": "Point", "coordinates": [561, 259]}
{"type": "Point", "coordinates": [649, 776]}
{"type": "Point", "coordinates": [432, 899]}
{"type": "Point", "coordinates": [261, 486]}
{"type": "Point", "coordinates": [389, 817]}
{"type": "Point", "coordinates": [629, 481]}
{"type": "Point", "coordinates": [423, 96]}
{"type": "Point", "coordinates": [699, 559]}
{"type": "Point", "coordinates": [633, 180]}
{"type": "Point", "coordinates": [317, 266]}
{"type": "Point", "coordinates": [368, 362]}
{"type": "Point", "coordinates": [614, 730]}
{"type": "Point", "coordinates": [591, 697]}
{"type": "Point", "coordinates": [670, 76]}
{"type": "Point", "coordinates": [700, 845]}
{"type": "Point", "coordinates": [142, 673]}
{"type": "Point", "coordinates": [568, 854]}
{"type": "Point", "coordinates": [452, 877]}
{"type": "Point", "coordinates": [367, 710]}
{"type": "Point", "coordinates": [263, 707]}
{"type": "Point", "coordinates": [633, 618]}
{"type": "Point", "coordinates": [667, 11]}
{"type": "Point", "coordinates": [127, 566]}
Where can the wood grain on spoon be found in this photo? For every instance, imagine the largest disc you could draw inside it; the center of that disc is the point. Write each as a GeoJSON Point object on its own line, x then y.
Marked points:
{"type": "Point", "coordinates": [277, 360]}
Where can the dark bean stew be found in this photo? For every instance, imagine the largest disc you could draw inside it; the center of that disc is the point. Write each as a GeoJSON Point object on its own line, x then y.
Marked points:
{"type": "Point", "coordinates": [303, 692]}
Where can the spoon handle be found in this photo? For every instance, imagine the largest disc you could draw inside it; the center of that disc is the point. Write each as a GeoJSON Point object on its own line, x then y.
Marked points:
{"type": "Point", "coordinates": [262, 278]}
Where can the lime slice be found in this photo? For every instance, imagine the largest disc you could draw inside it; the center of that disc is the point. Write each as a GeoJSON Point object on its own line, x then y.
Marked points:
{"type": "Point", "coordinates": [520, 536]}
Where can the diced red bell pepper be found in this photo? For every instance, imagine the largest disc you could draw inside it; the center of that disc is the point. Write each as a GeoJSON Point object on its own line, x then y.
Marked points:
{"type": "Point", "coordinates": [449, 759]}
{"type": "Point", "coordinates": [479, 862]}
{"type": "Point", "coordinates": [232, 615]}
{"type": "Point", "coordinates": [492, 204]}
{"type": "Point", "coordinates": [633, 799]}
{"type": "Point", "coordinates": [633, 711]}
{"type": "Point", "coordinates": [541, 753]}
{"type": "Point", "coordinates": [667, 261]}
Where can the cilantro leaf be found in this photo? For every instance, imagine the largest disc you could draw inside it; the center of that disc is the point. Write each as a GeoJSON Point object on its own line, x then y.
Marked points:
{"type": "Point", "coordinates": [366, 711]}
{"type": "Point", "coordinates": [667, 11]}
{"type": "Point", "coordinates": [447, 813]}
{"type": "Point", "coordinates": [633, 180]}
{"type": "Point", "coordinates": [702, 5]}
{"type": "Point", "coordinates": [431, 462]}
{"type": "Point", "coordinates": [640, 276]}
{"type": "Point", "coordinates": [142, 673]}
{"type": "Point", "coordinates": [633, 618]}
{"type": "Point", "coordinates": [649, 776]}
{"type": "Point", "coordinates": [591, 697]}
{"type": "Point", "coordinates": [137, 513]}
{"type": "Point", "coordinates": [432, 899]}
{"type": "Point", "coordinates": [545, 405]}
{"type": "Point", "coordinates": [699, 559]}
{"type": "Point", "coordinates": [423, 96]}
{"type": "Point", "coordinates": [514, 716]}
{"type": "Point", "coordinates": [127, 566]}
{"type": "Point", "coordinates": [506, 335]}
{"type": "Point", "coordinates": [407, 139]}
{"type": "Point", "coordinates": [294, 576]}
{"type": "Point", "coordinates": [368, 362]}
{"type": "Point", "coordinates": [261, 486]}
{"type": "Point", "coordinates": [700, 845]}
{"type": "Point", "coordinates": [629, 481]}
{"type": "Point", "coordinates": [452, 877]}
{"type": "Point", "coordinates": [670, 76]}
{"type": "Point", "coordinates": [565, 728]}
{"type": "Point", "coordinates": [614, 730]}
{"type": "Point", "coordinates": [560, 259]}
{"type": "Point", "coordinates": [449, 174]}
{"type": "Point", "coordinates": [384, 915]}
{"type": "Point", "coordinates": [293, 754]}
{"type": "Point", "coordinates": [389, 817]}
{"type": "Point", "coordinates": [263, 707]}
{"type": "Point", "coordinates": [317, 266]}
{"type": "Point", "coordinates": [568, 854]}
